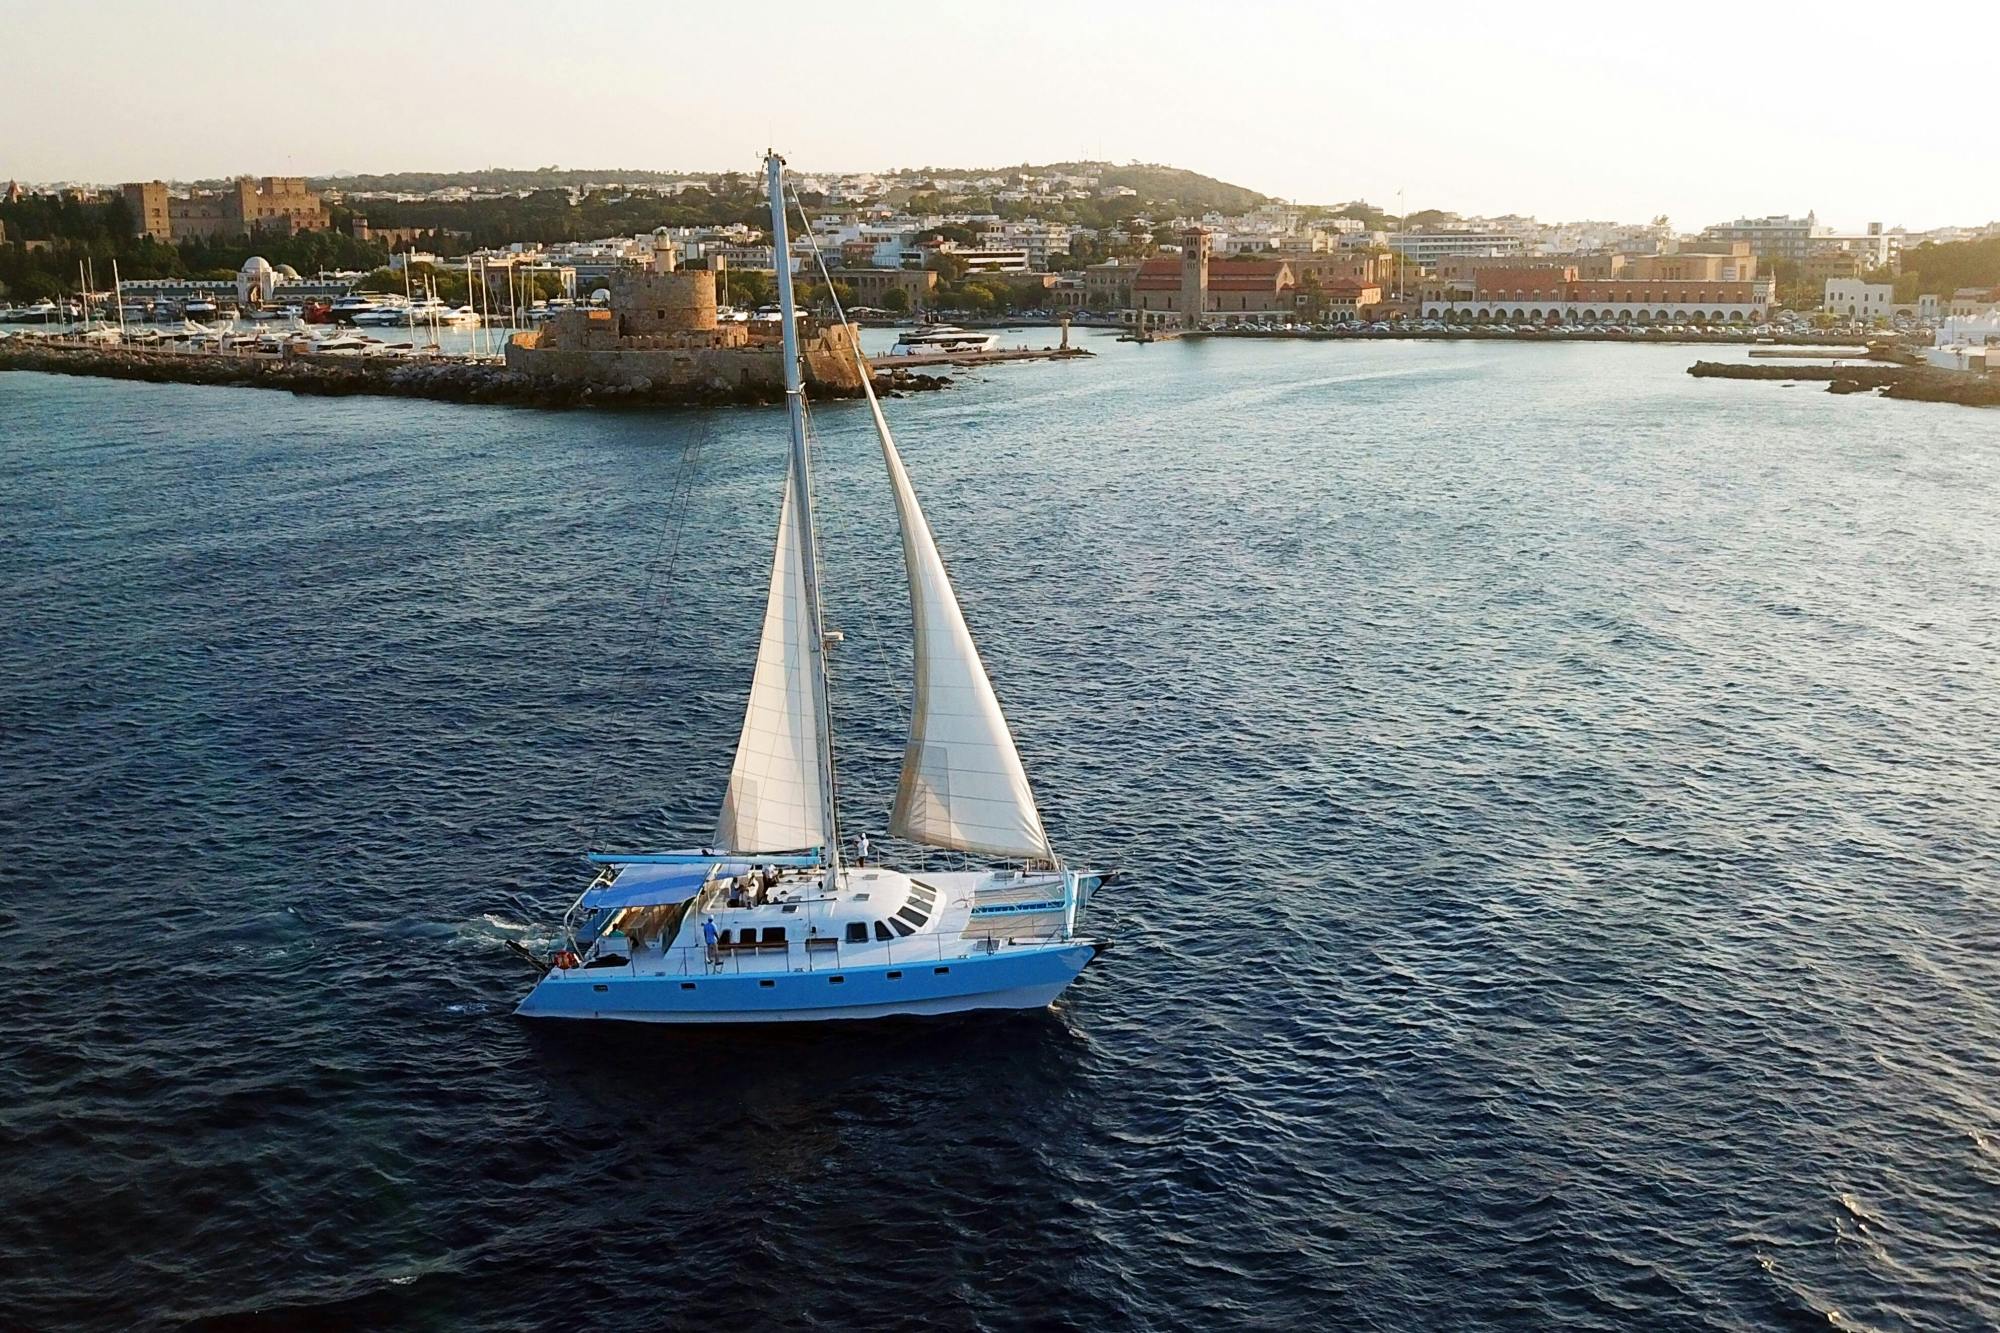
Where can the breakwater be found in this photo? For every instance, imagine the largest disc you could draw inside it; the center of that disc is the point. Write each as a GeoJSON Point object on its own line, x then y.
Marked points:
{"type": "Point", "coordinates": [443, 379]}
{"type": "Point", "coordinates": [1915, 383]}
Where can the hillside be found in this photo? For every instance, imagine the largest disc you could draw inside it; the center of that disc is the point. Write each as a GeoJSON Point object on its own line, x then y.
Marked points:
{"type": "Point", "coordinates": [1158, 187]}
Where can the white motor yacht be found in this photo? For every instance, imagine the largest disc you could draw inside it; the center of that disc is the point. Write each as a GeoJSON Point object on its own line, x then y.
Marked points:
{"type": "Point", "coordinates": [933, 338]}
{"type": "Point", "coordinates": [345, 309]}
{"type": "Point", "coordinates": [386, 310]}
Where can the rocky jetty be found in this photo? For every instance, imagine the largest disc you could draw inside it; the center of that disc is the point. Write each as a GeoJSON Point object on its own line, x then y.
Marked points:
{"type": "Point", "coordinates": [1914, 383]}
{"type": "Point", "coordinates": [439, 378]}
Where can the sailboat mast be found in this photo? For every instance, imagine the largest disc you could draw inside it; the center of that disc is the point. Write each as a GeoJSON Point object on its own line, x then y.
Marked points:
{"type": "Point", "coordinates": [795, 404]}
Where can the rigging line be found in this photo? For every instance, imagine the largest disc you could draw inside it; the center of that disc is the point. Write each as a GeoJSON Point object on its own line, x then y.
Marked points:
{"type": "Point", "coordinates": [662, 569]}
{"type": "Point", "coordinates": [825, 653]}
{"type": "Point", "coordinates": [895, 680]}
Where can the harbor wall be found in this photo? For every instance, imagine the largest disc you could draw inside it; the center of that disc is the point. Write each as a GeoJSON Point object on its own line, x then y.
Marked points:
{"type": "Point", "coordinates": [827, 357]}
{"type": "Point", "coordinates": [746, 379]}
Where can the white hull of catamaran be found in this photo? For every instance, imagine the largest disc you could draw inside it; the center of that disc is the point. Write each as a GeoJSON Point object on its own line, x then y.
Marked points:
{"type": "Point", "coordinates": [1013, 978]}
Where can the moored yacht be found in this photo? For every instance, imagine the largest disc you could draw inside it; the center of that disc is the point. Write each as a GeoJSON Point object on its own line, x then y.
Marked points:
{"type": "Point", "coordinates": [771, 922]}
{"type": "Point", "coordinates": [934, 338]}
{"type": "Point", "coordinates": [347, 309]}
{"type": "Point", "coordinates": [386, 310]}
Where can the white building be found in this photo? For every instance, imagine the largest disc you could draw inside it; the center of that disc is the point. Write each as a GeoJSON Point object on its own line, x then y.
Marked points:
{"type": "Point", "coordinates": [1039, 239]}
{"type": "Point", "coordinates": [1427, 247]}
{"type": "Point", "coordinates": [1865, 302]}
{"type": "Point", "coordinates": [990, 260]}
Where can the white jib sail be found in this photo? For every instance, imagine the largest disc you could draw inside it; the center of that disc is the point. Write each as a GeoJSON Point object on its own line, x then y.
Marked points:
{"type": "Point", "coordinates": [775, 799]}
{"type": "Point", "coordinates": [963, 785]}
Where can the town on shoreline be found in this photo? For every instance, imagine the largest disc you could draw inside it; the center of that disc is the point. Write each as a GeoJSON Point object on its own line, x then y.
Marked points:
{"type": "Point", "coordinates": [680, 309]}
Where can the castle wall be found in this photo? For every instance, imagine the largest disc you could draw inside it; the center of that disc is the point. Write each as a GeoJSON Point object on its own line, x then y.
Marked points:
{"type": "Point", "coordinates": [827, 358]}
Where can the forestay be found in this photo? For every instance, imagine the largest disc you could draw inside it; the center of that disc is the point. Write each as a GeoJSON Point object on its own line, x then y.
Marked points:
{"type": "Point", "coordinates": [962, 786]}
{"type": "Point", "coordinates": [775, 798]}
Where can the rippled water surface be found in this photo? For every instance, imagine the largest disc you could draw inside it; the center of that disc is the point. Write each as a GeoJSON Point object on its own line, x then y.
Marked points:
{"type": "Point", "coordinates": [1558, 798]}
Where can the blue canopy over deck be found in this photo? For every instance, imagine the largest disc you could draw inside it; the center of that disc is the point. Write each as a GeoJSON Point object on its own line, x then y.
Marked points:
{"type": "Point", "coordinates": [656, 879]}
{"type": "Point", "coordinates": [658, 885]}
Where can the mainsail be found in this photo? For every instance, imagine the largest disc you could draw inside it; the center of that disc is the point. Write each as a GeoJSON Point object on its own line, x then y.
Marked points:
{"type": "Point", "coordinates": [776, 798]}
{"type": "Point", "coordinates": [963, 785]}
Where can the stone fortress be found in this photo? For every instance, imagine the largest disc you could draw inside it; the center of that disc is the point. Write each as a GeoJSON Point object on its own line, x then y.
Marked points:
{"type": "Point", "coordinates": [661, 330]}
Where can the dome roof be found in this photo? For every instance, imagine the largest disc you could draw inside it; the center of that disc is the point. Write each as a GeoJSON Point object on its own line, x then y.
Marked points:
{"type": "Point", "coordinates": [254, 264]}
{"type": "Point", "coordinates": [287, 271]}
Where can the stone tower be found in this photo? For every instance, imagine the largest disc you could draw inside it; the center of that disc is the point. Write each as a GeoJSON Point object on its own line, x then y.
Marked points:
{"type": "Point", "coordinates": [1194, 276]}
{"type": "Point", "coordinates": [147, 202]}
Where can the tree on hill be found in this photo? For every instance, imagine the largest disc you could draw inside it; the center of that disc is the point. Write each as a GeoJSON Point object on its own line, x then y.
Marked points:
{"type": "Point", "coordinates": [1940, 270]}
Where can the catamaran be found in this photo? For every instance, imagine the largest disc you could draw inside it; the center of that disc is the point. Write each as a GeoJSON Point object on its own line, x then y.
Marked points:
{"type": "Point", "coordinates": [769, 922]}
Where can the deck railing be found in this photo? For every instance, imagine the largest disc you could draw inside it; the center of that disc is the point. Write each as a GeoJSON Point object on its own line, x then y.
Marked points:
{"type": "Point", "coordinates": [811, 954]}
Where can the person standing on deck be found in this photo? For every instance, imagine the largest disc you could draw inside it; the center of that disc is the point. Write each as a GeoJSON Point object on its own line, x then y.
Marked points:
{"type": "Point", "coordinates": [708, 939]}
{"type": "Point", "coordinates": [861, 850]}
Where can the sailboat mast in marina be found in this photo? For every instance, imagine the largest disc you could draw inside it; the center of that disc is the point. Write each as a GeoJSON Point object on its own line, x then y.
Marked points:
{"type": "Point", "coordinates": [767, 922]}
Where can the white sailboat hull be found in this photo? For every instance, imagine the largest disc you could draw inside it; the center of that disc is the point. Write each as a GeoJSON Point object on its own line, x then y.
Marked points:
{"type": "Point", "coordinates": [1012, 978]}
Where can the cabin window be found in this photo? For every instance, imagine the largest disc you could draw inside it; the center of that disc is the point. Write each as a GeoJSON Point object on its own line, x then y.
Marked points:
{"type": "Point", "coordinates": [600, 988]}
{"type": "Point", "coordinates": [774, 934]}
{"type": "Point", "coordinates": [882, 932]}
{"type": "Point", "coordinates": [894, 976]}
{"type": "Point", "coordinates": [767, 984]}
{"type": "Point", "coordinates": [789, 907]}
{"type": "Point", "coordinates": [911, 915]}
{"type": "Point", "coordinates": [836, 981]}
{"type": "Point", "coordinates": [902, 929]}
{"type": "Point", "coordinates": [940, 971]}
{"type": "Point", "coordinates": [857, 932]}
{"type": "Point", "coordinates": [687, 985]}
{"type": "Point", "coordinates": [723, 938]}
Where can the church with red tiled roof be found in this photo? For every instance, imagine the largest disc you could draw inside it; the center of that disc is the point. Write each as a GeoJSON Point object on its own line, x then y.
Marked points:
{"type": "Point", "coordinates": [1234, 291]}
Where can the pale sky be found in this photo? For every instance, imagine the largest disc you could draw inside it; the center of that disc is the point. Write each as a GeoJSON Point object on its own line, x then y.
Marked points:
{"type": "Point", "coordinates": [1603, 110]}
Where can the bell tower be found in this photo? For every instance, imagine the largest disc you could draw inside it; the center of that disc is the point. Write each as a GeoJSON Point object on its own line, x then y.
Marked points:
{"type": "Point", "coordinates": [1194, 276]}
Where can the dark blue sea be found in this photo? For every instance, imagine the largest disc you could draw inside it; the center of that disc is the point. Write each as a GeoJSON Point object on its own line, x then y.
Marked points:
{"type": "Point", "coordinates": [1559, 802]}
